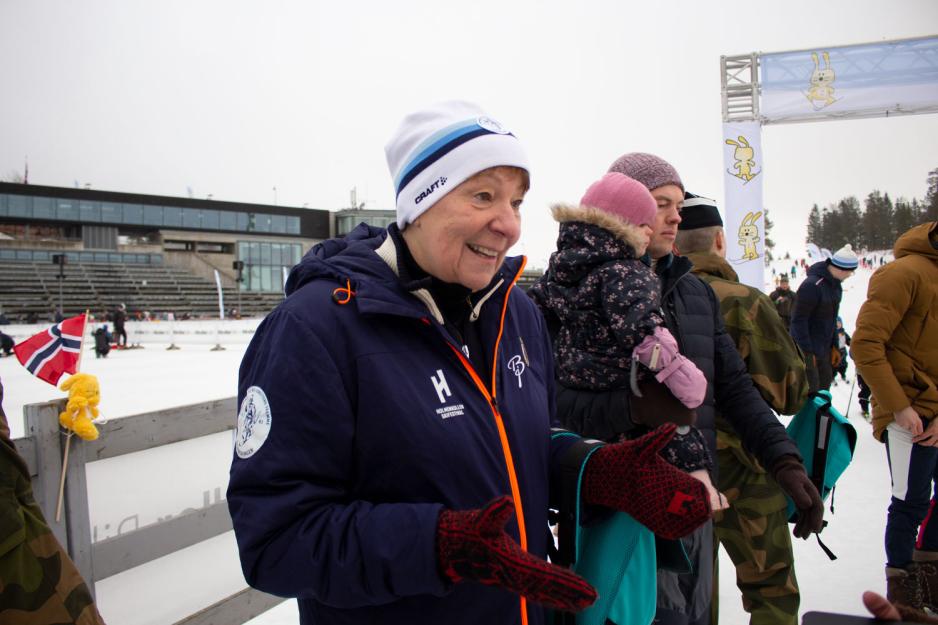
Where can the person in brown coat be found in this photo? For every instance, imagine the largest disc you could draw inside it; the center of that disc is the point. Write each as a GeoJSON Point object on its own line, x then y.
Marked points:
{"type": "Point", "coordinates": [895, 348]}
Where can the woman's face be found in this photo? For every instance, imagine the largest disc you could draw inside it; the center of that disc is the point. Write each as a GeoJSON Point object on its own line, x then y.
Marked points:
{"type": "Point", "coordinates": [463, 238]}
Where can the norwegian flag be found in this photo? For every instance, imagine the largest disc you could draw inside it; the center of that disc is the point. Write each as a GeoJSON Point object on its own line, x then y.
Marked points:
{"type": "Point", "coordinates": [51, 353]}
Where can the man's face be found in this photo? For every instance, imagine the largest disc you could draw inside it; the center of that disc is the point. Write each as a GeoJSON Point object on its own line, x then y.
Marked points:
{"type": "Point", "coordinates": [670, 199]}
{"type": "Point", "coordinates": [840, 274]}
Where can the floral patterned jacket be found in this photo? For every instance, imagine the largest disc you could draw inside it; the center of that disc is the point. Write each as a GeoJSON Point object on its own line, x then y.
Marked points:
{"type": "Point", "coordinates": [600, 300]}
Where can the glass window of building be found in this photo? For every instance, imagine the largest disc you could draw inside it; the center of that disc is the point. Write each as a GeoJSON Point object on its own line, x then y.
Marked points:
{"type": "Point", "coordinates": [26, 255]}
{"type": "Point", "coordinates": [172, 216]}
{"type": "Point", "coordinates": [19, 206]}
{"type": "Point", "coordinates": [89, 211]}
{"type": "Point", "coordinates": [40, 256]}
{"type": "Point", "coordinates": [43, 208]}
{"type": "Point", "coordinates": [133, 214]}
{"type": "Point", "coordinates": [115, 258]}
{"type": "Point", "coordinates": [293, 225]}
{"type": "Point", "coordinates": [111, 212]}
{"type": "Point", "coordinates": [244, 221]}
{"type": "Point", "coordinates": [209, 219]}
{"type": "Point", "coordinates": [66, 209]}
{"type": "Point", "coordinates": [227, 220]}
{"type": "Point", "coordinates": [278, 224]}
{"type": "Point", "coordinates": [7, 254]}
{"type": "Point", "coordinates": [4, 203]}
{"type": "Point", "coordinates": [261, 222]}
{"type": "Point", "coordinates": [191, 218]}
{"type": "Point", "coordinates": [265, 253]}
{"type": "Point", "coordinates": [152, 215]}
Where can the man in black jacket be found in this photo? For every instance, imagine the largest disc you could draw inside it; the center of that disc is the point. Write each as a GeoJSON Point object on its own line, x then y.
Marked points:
{"type": "Point", "coordinates": [816, 309]}
{"type": "Point", "coordinates": [692, 314]}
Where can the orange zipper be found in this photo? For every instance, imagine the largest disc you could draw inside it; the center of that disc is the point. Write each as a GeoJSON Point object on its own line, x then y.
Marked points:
{"type": "Point", "coordinates": [500, 424]}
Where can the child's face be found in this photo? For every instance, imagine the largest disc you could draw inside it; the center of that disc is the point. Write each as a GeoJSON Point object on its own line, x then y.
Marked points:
{"type": "Point", "coordinates": [646, 238]}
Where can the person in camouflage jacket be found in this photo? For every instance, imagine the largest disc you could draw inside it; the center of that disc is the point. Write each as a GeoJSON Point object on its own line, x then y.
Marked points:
{"type": "Point", "coordinates": [39, 584]}
{"type": "Point", "coordinates": [754, 530]}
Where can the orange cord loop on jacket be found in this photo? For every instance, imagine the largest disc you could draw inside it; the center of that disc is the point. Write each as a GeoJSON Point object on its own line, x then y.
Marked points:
{"type": "Point", "coordinates": [343, 295]}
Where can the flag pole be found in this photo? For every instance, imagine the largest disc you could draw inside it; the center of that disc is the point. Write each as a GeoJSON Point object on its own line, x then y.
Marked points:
{"type": "Point", "coordinates": [68, 437]}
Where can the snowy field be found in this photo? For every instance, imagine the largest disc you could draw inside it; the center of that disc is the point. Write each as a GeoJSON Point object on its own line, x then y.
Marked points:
{"type": "Point", "coordinates": [138, 489]}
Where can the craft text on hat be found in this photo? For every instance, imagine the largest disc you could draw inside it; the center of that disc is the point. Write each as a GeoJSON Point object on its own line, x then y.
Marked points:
{"type": "Point", "coordinates": [438, 148]}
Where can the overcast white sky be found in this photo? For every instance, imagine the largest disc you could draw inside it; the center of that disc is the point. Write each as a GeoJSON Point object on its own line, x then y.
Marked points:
{"type": "Point", "coordinates": [234, 98]}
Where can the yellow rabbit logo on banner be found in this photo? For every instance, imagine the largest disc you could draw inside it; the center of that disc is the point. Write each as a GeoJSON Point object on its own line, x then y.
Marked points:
{"type": "Point", "coordinates": [749, 235]}
{"type": "Point", "coordinates": [821, 92]}
{"type": "Point", "coordinates": [744, 164]}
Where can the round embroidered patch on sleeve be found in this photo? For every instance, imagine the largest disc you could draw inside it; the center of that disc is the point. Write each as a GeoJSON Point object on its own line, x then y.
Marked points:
{"type": "Point", "coordinates": [254, 420]}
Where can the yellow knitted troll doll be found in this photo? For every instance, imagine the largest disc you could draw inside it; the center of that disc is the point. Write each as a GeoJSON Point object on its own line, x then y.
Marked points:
{"type": "Point", "coordinates": [82, 407]}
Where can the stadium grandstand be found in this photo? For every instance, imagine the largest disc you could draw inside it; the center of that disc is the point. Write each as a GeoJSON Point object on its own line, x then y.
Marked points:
{"type": "Point", "coordinates": [65, 250]}
{"type": "Point", "coordinates": [155, 254]}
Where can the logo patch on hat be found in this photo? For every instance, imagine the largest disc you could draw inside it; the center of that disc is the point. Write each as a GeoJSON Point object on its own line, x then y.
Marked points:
{"type": "Point", "coordinates": [254, 420]}
{"type": "Point", "coordinates": [491, 125]}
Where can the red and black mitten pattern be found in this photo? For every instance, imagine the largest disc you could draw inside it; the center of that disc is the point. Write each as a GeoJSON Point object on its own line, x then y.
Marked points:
{"type": "Point", "coordinates": [630, 476]}
{"type": "Point", "coordinates": [473, 545]}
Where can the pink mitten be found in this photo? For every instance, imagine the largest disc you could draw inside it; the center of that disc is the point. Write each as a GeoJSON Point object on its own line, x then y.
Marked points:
{"type": "Point", "coordinates": [659, 353]}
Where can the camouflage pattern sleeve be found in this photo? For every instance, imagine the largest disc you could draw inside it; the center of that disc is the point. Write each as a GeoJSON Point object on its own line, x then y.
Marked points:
{"type": "Point", "coordinates": [38, 581]}
{"type": "Point", "coordinates": [774, 361]}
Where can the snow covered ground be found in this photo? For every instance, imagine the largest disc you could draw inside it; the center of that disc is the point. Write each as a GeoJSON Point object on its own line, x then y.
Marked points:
{"type": "Point", "coordinates": [138, 489]}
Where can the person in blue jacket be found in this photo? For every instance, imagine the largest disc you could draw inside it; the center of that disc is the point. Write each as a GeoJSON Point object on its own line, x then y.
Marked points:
{"type": "Point", "coordinates": [816, 308]}
{"type": "Point", "coordinates": [394, 455]}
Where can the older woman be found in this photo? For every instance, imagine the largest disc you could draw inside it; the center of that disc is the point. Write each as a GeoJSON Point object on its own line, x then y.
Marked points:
{"type": "Point", "coordinates": [394, 432]}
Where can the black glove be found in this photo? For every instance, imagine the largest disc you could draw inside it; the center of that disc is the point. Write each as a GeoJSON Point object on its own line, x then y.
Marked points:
{"type": "Point", "coordinates": [794, 480]}
{"type": "Point", "coordinates": [472, 544]}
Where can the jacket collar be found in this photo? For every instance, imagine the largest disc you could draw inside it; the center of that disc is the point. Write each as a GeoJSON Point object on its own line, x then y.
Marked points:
{"type": "Point", "coordinates": [671, 269]}
{"type": "Point", "coordinates": [712, 265]}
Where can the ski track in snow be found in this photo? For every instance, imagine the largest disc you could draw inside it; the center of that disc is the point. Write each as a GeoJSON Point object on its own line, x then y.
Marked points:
{"type": "Point", "coordinates": [138, 489]}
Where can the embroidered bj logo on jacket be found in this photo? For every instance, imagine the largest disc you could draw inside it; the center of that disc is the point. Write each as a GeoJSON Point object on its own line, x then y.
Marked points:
{"type": "Point", "coordinates": [516, 366]}
{"type": "Point", "coordinates": [441, 386]}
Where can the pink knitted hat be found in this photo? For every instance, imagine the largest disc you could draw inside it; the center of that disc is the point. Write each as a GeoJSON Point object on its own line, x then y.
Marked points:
{"type": "Point", "coordinates": [624, 197]}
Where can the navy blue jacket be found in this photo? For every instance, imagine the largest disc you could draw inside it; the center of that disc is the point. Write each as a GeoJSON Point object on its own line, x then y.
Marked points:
{"type": "Point", "coordinates": [376, 423]}
{"type": "Point", "coordinates": [813, 320]}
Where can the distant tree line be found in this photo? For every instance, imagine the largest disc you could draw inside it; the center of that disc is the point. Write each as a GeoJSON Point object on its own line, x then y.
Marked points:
{"type": "Point", "coordinates": [874, 226]}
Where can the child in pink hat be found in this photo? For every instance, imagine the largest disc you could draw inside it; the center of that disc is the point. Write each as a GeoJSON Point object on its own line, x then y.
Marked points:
{"type": "Point", "coordinates": [604, 301]}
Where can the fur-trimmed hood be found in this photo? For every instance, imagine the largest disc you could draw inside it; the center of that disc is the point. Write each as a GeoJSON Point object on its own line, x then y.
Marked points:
{"type": "Point", "coordinates": [628, 233]}
{"type": "Point", "coordinates": [589, 239]}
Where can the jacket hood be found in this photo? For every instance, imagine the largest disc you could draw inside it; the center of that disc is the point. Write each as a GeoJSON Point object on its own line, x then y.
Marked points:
{"type": "Point", "coordinates": [915, 241]}
{"type": "Point", "coordinates": [629, 234]}
{"type": "Point", "coordinates": [819, 270]}
{"type": "Point", "coordinates": [364, 261]}
{"type": "Point", "coordinates": [713, 265]}
{"type": "Point", "coordinates": [324, 258]}
{"type": "Point", "coordinates": [589, 238]}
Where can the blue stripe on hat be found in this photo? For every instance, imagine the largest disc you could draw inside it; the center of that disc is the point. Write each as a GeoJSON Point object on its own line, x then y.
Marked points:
{"type": "Point", "coordinates": [437, 149]}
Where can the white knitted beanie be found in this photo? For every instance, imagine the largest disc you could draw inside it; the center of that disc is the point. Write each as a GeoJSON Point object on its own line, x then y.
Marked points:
{"type": "Point", "coordinates": [439, 147]}
{"type": "Point", "coordinates": [845, 258]}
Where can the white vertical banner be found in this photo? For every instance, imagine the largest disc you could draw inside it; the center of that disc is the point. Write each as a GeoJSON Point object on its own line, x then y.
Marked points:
{"type": "Point", "coordinates": [221, 299]}
{"type": "Point", "coordinates": [744, 214]}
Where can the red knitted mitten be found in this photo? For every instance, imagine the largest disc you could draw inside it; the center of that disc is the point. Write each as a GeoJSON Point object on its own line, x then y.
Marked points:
{"type": "Point", "coordinates": [630, 476]}
{"type": "Point", "coordinates": [473, 545]}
